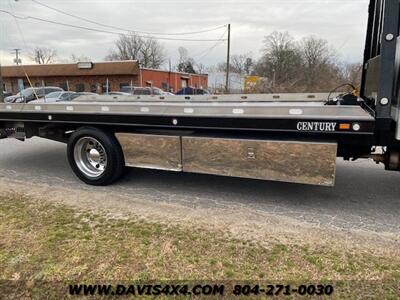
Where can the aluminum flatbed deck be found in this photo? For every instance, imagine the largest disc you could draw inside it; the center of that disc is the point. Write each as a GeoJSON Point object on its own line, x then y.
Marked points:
{"type": "Point", "coordinates": [284, 112]}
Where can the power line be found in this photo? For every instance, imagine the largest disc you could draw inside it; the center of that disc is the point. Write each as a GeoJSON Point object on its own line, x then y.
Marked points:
{"type": "Point", "coordinates": [210, 50]}
{"type": "Point", "coordinates": [228, 57]}
{"type": "Point", "coordinates": [207, 51]}
{"type": "Point", "coordinates": [100, 30]}
{"type": "Point", "coordinates": [120, 28]}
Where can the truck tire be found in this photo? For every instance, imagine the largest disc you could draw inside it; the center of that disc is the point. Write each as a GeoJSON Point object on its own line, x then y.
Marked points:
{"type": "Point", "coordinates": [95, 156]}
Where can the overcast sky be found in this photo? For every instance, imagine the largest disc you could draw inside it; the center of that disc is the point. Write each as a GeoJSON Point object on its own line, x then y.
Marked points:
{"type": "Point", "coordinates": [341, 22]}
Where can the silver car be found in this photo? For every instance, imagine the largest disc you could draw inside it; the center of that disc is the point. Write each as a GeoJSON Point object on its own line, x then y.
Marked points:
{"type": "Point", "coordinates": [30, 94]}
{"type": "Point", "coordinates": [55, 97]}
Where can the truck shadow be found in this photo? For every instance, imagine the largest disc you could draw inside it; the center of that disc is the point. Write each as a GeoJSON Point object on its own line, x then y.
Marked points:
{"type": "Point", "coordinates": [357, 185]}
{"type": "Point", "coordinates": [365, 197]}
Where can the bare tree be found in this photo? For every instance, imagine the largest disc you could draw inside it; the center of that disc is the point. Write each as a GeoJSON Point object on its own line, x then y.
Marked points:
{"type": "Point", "coordinates": [183, 54]}
{"type": "Point", "coordinates": [281, 61]}
{"type": "Point", "coordinates": [186, 64]}
{"type": "Point", "coordinates": [240, 63]}
{"type": "Point", "coordinates": [287, 65]}
{"type": "Point", "coordinates": [305, 66]}
{"type": "Point", "coordinates": [351, 73]}
{"type": "Point", "coordinates": [200, 68]}
{"type": "Point", "coordinates": [320, 67]}
{"type": "Point", "coordinates": [148, 51]}
{"type": "Point", "coordinates": [79, 58]}
{"type": "Point", "coordinates": [152, 54]}
{"type": "Point", "coordinates": [42, 55]}
{"type": "Point", "coordinates": [128, 48]}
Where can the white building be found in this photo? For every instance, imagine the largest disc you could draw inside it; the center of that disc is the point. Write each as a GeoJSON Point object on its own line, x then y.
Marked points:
{"type": "Point", "coordinates": [217, 82]}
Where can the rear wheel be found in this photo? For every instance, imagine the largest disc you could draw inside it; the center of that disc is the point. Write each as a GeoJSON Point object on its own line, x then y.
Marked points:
{"type": "Point", "coordinates": [95, 156]}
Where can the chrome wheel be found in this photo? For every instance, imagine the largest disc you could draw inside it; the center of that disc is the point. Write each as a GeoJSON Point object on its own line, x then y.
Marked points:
{"type": "Point", "coordinates": [90, 157]}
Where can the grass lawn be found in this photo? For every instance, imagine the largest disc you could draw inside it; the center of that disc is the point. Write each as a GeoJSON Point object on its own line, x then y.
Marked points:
{"type": "Point", "coordinates": [43, 242]}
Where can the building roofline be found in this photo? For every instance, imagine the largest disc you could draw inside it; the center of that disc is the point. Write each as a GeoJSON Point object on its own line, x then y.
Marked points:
{"type": "Point", "coordinates": [68, 64]}
{"type": "Point", "coordinates": [176, 72]}
{"type": "Point", "coordinates": [123, 67]}
{"type": "Point", "coordinates": [130, 67]}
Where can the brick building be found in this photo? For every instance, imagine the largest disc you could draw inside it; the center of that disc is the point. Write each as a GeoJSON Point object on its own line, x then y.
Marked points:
{"type": "Point", "coordinates": [96, 77]}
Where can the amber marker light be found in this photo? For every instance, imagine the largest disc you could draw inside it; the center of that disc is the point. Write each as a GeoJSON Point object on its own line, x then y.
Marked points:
{"type": "Point", "coordinates": [344, 126]}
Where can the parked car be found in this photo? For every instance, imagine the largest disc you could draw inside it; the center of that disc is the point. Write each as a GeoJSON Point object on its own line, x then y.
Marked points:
{"type": "Point", "coordinates": [118, 94]}
{"type": "Point", "coordinates": [6, 94]}
{"type": "Point", "coordinates": [168, 94]}
{"type": "Point", "coordinates": [55, 97]}
{"type": "Point", "coordinates": [76, 95]}
{"type": "Point", "coordinates": [192, 91]}
{"type": "Point", "coordinates": [31, 94]}
{"type": "Point", "coordinates": [11, 98]}
{"type": "Point", "coordinates": [142, 90]}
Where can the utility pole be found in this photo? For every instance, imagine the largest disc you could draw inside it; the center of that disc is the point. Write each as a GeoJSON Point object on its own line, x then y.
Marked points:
{"type": "Point", "coordinates": [169, 75]}
{"type": "Point", "coordinates": [17, 60]}
{"type": "Point", "coordinates": [228, 59]}
{"type": "Point", "coordinates": [1, 87]}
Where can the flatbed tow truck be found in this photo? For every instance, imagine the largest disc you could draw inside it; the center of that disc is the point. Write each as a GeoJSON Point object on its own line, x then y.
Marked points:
{"type": "Point", "coordinates": [283, 137]}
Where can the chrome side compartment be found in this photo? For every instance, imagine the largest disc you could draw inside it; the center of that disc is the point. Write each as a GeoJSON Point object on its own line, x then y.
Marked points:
{"type": "Point", "coordinates": [288, 161]}
{"type": "Point", "coordinates": [151, 151]}
{"type": "Point", "coordinates": [297, 162]}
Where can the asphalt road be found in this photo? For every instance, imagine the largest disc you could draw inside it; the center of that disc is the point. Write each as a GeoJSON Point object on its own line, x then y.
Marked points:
{"type": "Point", "coordinates": [365, 198]}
